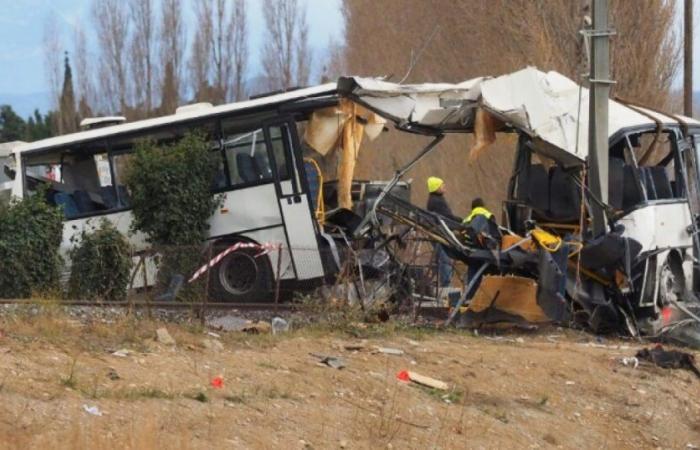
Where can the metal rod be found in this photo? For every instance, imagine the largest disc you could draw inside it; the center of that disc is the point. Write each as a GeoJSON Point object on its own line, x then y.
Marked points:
{"type": "Point", "coordinates": [598, 113]}
{"type": "Point", "coordinates": [461, 301]}
{"type": "Point", "coordinates": [397, 176]}
{"type": "Point", "coordinates": [279, 278]}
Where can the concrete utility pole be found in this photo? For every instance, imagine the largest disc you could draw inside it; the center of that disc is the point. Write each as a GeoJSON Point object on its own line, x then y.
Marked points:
{"type": "Point", "coordinates": [688, 58]}
{"type": "Point", "coordinates": [598, 114]}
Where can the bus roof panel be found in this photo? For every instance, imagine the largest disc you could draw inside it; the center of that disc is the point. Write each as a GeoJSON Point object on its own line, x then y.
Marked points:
{"type": "Point", "coordinates": [141, 125]}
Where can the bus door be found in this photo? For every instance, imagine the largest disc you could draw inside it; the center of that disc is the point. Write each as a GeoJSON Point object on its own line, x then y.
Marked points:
{"type": "Point", "coordinates": [299, 225]}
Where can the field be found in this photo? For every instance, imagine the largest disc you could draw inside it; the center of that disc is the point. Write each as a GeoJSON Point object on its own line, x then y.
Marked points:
{"type": "Point", "coordinates": [550, 389]}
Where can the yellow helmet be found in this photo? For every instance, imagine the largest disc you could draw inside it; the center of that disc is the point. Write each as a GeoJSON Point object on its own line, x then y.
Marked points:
{"type": "Point", "coordinates": [434, 184]}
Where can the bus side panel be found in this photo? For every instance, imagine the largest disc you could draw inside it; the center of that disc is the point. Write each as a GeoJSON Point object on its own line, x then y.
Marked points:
{"type": "Point", "coordinates": [72, 229]}
{"type": "Point", "coordinates": [246, 209]}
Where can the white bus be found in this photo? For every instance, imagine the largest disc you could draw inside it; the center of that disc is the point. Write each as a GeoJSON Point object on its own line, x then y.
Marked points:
{"type": "Point", "coordinates": [261, 178]}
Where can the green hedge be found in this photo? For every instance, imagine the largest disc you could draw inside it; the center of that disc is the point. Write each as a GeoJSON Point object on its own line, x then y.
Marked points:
{"type": "Point", "coordinates": [100, 264]}
{"type": "Point", "coordinates": [30, 237]}
{"type": "Point", "coordinates": [170, 191]}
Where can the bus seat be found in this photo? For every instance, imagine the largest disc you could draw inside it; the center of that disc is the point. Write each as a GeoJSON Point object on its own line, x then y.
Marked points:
{"type": "Point", "coordinates": [661, 183]}
{"type": "Point", "coordinates": [538, 188]}
{"type": "Point", "coordinates": [645, 175]}
{"type": "Point", "coordinates": [564, 195]}
{"type": "Point", "coordinates": [616, 182]}
{"type": "Point", "coordinates": [83, 201]}
{"type": "Point", "coordinates": [263, 165]}
{"type": "Point", "coordinates": [247, 169]}
{"type": "Point", "coordinates": [66, 201]}
{"type": "Point", "coordinates": [109, 196]}
{"type": "Point", "coordinates": [631, 192]}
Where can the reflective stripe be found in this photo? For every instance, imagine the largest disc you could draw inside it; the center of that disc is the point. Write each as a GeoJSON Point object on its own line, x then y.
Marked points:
{"type": "Point", "coordinates": [478, 211]}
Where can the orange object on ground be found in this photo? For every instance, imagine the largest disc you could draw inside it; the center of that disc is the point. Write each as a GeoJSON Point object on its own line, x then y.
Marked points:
{"type": "Point", "coordinates": [217, 382]}
{"type": "Point", "coordinates": [403, 376]}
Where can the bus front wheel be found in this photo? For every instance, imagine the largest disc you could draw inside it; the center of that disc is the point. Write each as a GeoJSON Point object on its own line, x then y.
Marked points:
{"type": "Point", "coordinates": [242, 276]}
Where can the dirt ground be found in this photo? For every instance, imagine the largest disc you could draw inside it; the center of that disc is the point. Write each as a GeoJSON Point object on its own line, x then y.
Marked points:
{"type": "Point", "coordinates": [550, 389]}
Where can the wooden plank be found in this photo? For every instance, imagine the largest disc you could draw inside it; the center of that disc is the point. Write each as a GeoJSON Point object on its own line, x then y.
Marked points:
{"type": "Point", "coordinates": [427, 381]}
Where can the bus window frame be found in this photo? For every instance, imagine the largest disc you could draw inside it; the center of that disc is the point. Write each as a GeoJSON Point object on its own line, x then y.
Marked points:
{"type": "Point", "coordinates": [247, 124]}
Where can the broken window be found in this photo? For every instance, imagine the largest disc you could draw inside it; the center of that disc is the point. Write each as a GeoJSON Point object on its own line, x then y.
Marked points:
{"type": "Point", "coordinates": [247, 159]}
{"type": "Point", "coordinates": [79, 180]}
{"type": "Point", "coordinates": [643, 168]}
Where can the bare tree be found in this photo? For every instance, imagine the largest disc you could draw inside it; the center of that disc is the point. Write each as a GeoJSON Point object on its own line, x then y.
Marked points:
{"type": "Point", "coordinates": [85, 91]}
{"type": "Point", "coordinates": [220, 50]}
{"type": "Point", "coordinates": [303, 52]}
{"type": "Point", "coordinates": [143, 55]}
{"type": "Point", "coordinates": [286, 56]}
{"type": "Point", "coordinates": [53, 62]}
{"type": "Point", "coordinates": [238, 48]}
{"type": "Point", "coordinates": [200, 63]}
{"type": "Point", "coordinates": [111, 19]}
{"type": "Point", "coordinates": [491, 37]}
{"type": "Point", "coordinates": [334, 61]}
{"type": "Point", "coordinates": [171, 57]}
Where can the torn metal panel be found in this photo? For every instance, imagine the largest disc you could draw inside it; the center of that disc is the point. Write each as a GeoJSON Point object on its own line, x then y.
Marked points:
{"type": "Point", "coordinates": [549, 107]}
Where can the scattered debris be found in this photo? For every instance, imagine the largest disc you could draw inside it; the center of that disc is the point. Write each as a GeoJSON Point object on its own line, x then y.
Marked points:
{"type": "Point", "coordinates": [630, 361]}
{"type": "Point", "coordinates": [389, 351]}
{"type": "Point", "coordinates": [259, 327]}
{"type": "Point", "coordinates": [229, 323]}
{"type": "Point", "coordinates": [333, 362]}
{"type": "Point", "coordinates": [214, 335]}
{"type": "Point", "coordinates": [570, 383]}
{"type": "Point", "coordinates": [279, 325]}
{"type": "Point", "coordinates": [123, 353]}
{"type": "Point", "coordinates": [92, 410]}
{"type": "Point", "coordinates": [407, 375]}
{"type": "Point", "coordinates": [669, 359]}
{"type": "Point", "coordinates": [354, 347]}
{"type": "Point", "coordinates": [164, 337]}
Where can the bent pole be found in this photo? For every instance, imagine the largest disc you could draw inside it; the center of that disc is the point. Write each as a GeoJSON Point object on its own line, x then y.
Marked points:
{"type": "Point", "coordinates": [397, 176]}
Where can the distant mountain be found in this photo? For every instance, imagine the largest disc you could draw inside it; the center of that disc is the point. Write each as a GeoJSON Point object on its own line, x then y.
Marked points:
{"type": "Point", "coordinates": [25, 104]}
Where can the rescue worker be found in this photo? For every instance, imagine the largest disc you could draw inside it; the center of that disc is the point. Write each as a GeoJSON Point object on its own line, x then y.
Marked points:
{"type": "Point", "coordinates": [438, 204]}
{"type": "Point", "coordinates": [478, 209]}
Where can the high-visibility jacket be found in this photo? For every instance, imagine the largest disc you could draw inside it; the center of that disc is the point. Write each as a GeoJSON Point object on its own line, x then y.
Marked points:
{"type": "Point", "coordinates": [478, 211]}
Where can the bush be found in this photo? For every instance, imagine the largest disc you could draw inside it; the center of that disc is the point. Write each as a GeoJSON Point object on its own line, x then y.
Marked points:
{"type": "Point", "coordinates": [170, 189]}
{"type": "Point", "coordinates": [101, 265]}
{"type": "Point", "coordinates": [30, 237]}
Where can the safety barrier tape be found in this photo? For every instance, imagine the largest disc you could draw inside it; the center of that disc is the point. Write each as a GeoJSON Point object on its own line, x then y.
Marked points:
{"type": "Point", "coordinates": [264, 248]}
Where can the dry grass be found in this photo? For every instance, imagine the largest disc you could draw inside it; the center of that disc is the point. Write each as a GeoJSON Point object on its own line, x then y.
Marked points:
{"type": "Point", "coordinates": [276, 395]}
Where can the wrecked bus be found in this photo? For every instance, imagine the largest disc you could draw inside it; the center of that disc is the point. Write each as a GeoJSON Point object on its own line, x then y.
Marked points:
{"type": "Point", "coordinates": [263, 179]}
{"type": "Point", "coordinates": [642, 273]}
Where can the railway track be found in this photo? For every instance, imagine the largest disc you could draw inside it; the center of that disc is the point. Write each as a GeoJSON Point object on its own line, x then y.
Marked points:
{"type": "Point", "coordinates": [435, 312]}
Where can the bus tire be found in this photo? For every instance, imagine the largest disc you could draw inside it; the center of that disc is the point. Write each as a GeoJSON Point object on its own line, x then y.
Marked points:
{"type": "Point", "coordinates": [241, 277]}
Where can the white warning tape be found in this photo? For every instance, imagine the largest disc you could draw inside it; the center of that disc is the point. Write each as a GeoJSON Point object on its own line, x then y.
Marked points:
{"type": "Point", "coordinates": [264, 248]}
